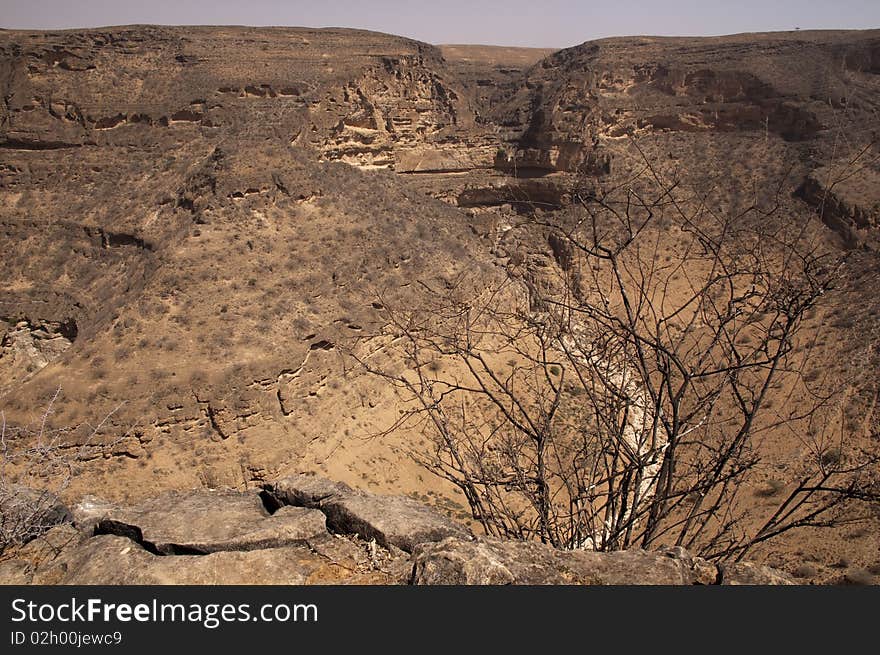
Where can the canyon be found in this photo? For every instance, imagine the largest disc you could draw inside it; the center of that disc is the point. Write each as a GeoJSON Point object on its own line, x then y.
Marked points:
{"type": "Point", "coordinates": [200, 225]}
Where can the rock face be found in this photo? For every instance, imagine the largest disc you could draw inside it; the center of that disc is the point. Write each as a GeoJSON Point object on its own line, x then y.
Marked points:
{"type": "Point", "coordinates": [172, 165]}
{"type": "Point", "coordinates": [748, 573]}
{"type": "Point", "coordinates": [390, 520]}
{"type": "Point", "coordinates": [227, 537]}
{"type": "Point", "coordinates": [108, 559]}
{"type": "Point", "coordinates": [121, 256]}
{"type": "Point", "coordinates": [848, 204]}
{"type": "Point", "coordinates": [490, 561]}
{"type": "Point", "coordinates": [579, 100]}
{"type": "Point", "coordinates": [706, 111]}
{"type": "Point", "coordinates": [400, 115]}
{"type": "Point", "coordinates": [386, 100]}
{"type": "Point", "coordinates": [207, 522]}
{"type": "Point", "coordinates": [67, 557]}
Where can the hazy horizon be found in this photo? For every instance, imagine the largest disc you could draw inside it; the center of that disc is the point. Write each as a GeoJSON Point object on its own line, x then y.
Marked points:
{"type": "Point", "coordinates": [550, 24]}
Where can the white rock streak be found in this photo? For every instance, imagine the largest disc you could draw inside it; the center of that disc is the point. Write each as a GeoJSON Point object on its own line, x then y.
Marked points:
{"type": "Point", "coordinates": [643, 439]}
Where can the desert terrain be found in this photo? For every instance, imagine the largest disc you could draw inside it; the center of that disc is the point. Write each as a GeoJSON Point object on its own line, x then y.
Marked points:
{"type": "Point", "coordinates": [203, 230]}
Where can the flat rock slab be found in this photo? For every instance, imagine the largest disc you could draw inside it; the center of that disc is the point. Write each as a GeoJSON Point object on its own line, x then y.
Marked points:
{"type": "Point", "coordinates": [393, 521]}
{"type": "Point", "coordinates": [113, 560]}
{"type": "Point", "coordinates": [64, 555]}
{"type": "Point", "coordinates": [390, 520]}
{"type": "Point", "coordinates": [198, 522]}
{"type": "Point", "coordinates": [493, 562]}
{"type": "Point", "coordinates": [307, 490]}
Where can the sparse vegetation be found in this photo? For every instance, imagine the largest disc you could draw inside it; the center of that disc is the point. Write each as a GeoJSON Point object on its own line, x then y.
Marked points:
{"type": "Point", "coordinates": [199, 263]}
{"type": "Point", "coordinates": [37, 464]}
{"type": "Point", "coordinates": [679, 369]}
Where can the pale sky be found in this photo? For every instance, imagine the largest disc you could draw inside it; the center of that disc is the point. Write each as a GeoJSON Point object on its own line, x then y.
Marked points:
{"type": "Point", "coordinates": [542, 23]}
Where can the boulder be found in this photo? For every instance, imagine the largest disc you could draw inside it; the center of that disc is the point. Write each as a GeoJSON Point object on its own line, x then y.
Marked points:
{"type": "Point", "coordinates": [210, 521]}
{"type": "Point", "coordinates": [27, 560]}
{"type": "Point", "coordinates": [491, 562]}
{"type": "Point", "coordinates": [456, 562]}
{"type": "Point", "coordinates": [114, 560]}
{"type": "Point", "coordinates": [307, 490]}
{"type": "Point", "coordinates": [65, 555]}
{"type": "Point", "coordinates": [703, 571]}
{"type": "Point", "coordinates": [393, 521]}
{"type": "Point", "coordinates": [390, 520]}
{"type": "Point", "coordinates": [748, 573]}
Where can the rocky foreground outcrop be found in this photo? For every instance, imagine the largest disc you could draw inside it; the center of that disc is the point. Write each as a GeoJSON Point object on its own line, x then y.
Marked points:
{"type": "Point", "coordinates": [308, 530]}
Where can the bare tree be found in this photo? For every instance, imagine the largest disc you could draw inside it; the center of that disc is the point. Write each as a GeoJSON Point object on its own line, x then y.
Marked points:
{"type": "Point", "coordinates": [626, 404]}
{"type": "Point", "coordinates": [37, 464]}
